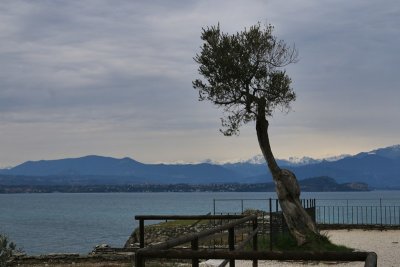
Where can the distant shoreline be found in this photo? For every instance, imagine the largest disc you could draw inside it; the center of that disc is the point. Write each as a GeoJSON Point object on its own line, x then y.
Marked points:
{"type": "Point", "coordinates": [143, 188]}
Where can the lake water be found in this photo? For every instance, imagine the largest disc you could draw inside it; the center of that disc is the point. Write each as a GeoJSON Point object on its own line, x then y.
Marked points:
{"type": "Point", "coordinates": [75, 223]}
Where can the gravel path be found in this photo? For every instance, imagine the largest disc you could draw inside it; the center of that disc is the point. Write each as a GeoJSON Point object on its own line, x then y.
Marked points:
{"type": "Point", "coordinates": [386, 244]}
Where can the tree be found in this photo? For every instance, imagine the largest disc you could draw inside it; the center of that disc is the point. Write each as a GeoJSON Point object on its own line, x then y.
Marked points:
{"type": "Point", "coordinates": [244, 74]}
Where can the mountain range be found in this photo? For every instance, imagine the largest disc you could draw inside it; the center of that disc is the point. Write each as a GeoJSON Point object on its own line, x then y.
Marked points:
{"type": "Point", "coordinates": [379, 168]}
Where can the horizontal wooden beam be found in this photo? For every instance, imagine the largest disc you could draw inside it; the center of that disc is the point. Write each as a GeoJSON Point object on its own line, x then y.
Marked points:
{"type": "Point", "coordinates": [187, 217]}
{"type": "Point", "coordinates": [188, 238]}
{"type": "Point", "coordinates": [259, 255]}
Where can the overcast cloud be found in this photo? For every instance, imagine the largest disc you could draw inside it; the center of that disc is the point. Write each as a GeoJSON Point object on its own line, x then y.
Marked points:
{"type": "Point", "coordinates": [114, 78]}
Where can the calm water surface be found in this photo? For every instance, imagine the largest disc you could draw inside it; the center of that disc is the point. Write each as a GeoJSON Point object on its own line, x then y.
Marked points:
{"type": "Point", "coordinates": [75, 223]}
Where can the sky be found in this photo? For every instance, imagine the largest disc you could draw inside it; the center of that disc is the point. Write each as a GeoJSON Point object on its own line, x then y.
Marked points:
{"type": "Point", "coordinates": [114, 78]}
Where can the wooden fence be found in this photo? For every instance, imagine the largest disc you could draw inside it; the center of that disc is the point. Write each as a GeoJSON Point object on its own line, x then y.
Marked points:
{"type": "Point", "coordinates": [163, 250]}
{"type": "Point", "coordinates": [168, 250]}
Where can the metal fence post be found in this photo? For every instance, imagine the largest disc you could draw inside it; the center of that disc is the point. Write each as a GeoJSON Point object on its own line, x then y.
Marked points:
{"type": "Point", "coordinates": [314, 212]}
{"type": "Point", "coordinates": [385, 215]}
{"type": "Point", "coordinates": [270, 224]}
{"type": "Point", "coordinates": [214, 205]}
{"type": "Point", "coordinates": [338, 215]}
{"type": "Point", "coordinates": [357, 213]}
{"type": "Point", "coordinates": [255, 240]}
{"type": "Point", "coordinates": [380, 207]}
{"type": "Point", "coordinates": [352, 214]}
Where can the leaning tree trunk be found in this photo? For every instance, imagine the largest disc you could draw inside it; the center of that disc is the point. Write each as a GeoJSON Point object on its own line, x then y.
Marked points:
{"type": "Point", "coordinates": [300, 224]}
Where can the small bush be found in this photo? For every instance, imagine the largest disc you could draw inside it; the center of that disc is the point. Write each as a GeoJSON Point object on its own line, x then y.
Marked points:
{"type": "Point", "coordinates": [6, 251]}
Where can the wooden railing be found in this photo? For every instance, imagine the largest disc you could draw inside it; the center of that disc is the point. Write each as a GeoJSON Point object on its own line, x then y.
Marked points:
{"type": "Point", "coordinates": [165, 248]}
{"type": "Point", "coordinates": [143, 218]}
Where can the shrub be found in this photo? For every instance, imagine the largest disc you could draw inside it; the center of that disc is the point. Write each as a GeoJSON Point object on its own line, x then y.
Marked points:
{"type": "Point", "coordinates": [7, 249]}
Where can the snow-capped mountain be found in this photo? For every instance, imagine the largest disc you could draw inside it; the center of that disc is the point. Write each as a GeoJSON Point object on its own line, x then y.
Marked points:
{"type": "Point", "coordinates": [391, 152]}
{"type": "Point", "coordinates": [293, 161]}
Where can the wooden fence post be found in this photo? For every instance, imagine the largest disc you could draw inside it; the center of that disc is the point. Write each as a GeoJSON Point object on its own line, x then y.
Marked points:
{"type": "Point", "coordinates": [231, 242]}
{"type": "Point", "coordinates": [195, 247]}
{"type": "Point", "coordinates": [139, 261]}
{"type": "Point", "coordinates": [371, 260]}
{"type": "Point", "coordinates": [141, 233]}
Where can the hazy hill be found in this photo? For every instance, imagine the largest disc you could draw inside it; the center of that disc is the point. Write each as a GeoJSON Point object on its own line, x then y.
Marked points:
{"type": "Point", "coordinates": [109, 170]}
{"type": "Point", "coordinates": [88, 165]}
{"type": "Point", "coordinates": [379, 168]}
{"type": "Point", "coordinates": [373, 169]}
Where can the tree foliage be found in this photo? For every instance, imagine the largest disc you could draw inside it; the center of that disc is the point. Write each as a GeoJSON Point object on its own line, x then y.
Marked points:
{"type": "Point", "coordinates": [243, 73]}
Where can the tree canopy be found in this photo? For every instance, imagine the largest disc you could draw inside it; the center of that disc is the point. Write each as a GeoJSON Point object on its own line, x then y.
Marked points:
{"type": "Point", "coordinates": [243, 73]}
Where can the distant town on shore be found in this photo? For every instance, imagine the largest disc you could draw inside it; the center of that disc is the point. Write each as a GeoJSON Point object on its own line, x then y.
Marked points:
{"type": "Point", "coordinates": [317, 184]}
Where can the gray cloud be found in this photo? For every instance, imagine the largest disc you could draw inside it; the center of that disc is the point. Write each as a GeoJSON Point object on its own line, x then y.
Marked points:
{"type": "Point", "coordinates": [114, 78]}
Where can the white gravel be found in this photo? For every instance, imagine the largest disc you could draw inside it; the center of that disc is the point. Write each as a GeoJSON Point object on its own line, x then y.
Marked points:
{"type": "Point", "coordinates": [386, 244]}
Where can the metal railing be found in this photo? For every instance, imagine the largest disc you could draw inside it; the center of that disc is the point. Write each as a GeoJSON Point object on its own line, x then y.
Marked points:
{"type": "Point", "coordinates": [382, 212]}
{"type": "Point", "coordinates": [239, 205]}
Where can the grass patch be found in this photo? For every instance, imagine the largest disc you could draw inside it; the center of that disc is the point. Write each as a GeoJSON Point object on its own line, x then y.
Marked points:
{"type": "Point", "coordinates": [177, 223]}
{"type": "Point", "coordinates": [285, 242]}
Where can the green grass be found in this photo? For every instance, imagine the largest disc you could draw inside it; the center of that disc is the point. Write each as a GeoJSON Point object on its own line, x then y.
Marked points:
{"type": "Point", "coordinates": [285, 242]}
{"type": "Point", "coordinates": [176, 223]}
